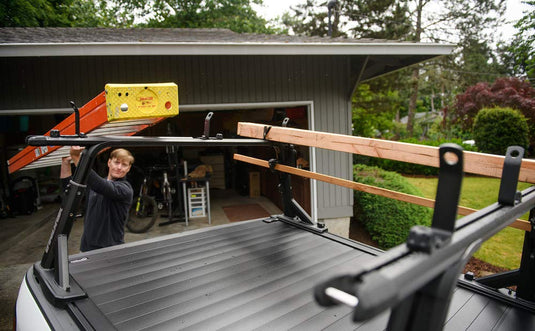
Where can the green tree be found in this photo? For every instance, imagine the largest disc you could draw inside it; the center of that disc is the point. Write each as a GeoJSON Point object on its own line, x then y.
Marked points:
{"type": "Point", "coordinates": [311, 19]}
{"type": "Point", "coordinates": [465, 22]}
{"type": "Point", "coordinates": [58, 13]}
{"type": "Point", "coordinates": [477, 62]}
{"type": "Point", "coordinates": [35, 13]}
{"type": "Point", "coordinates": [522, 48]}
{"type": "Point", "coordinates": [374, 111]}
{"type": "Point", "coordinates": [236, 15]}
{"type": "Point", "coordinates": [380, 19]}
{"type": "Point", "coordinates": [87, 13]}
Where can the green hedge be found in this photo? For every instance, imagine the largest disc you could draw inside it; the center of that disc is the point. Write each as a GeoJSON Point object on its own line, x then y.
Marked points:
{"type": "Point", "coordinates": [388, 221]}
{"type": "Point", "coordinates": [495, 129]}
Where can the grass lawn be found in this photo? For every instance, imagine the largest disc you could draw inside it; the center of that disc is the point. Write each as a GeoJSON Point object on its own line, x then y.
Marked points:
{"type": "Point", "coordinates": [505, 248]}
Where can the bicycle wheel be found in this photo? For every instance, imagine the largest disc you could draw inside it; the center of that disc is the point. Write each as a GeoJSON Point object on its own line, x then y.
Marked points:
{"type": "Point", "coordinates": [142, 217]}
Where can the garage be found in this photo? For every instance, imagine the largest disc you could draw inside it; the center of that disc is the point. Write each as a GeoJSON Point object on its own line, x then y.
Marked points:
{"type": "Point", "coordinates": [255, 78]}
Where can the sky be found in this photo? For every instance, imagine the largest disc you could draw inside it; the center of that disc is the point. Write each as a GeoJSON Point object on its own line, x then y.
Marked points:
{"type": "Point", "coordinates": [274, 8]}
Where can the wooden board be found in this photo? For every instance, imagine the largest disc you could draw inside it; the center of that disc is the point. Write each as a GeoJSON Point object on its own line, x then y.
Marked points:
{"type": "Point", "coordinates": [519, 224]}
{"type": "Point", "coordinates": [474, 163]}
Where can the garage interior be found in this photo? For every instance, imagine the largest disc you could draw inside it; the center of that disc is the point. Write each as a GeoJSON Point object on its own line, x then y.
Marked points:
{"type": "Point", "coordinates": [29, 189]}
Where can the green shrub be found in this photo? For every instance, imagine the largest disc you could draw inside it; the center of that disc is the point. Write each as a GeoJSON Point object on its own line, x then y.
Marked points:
{"type": "Point", "coordinates": [388, 221]}
{"type": "Point", "coordinates": [495, 129]}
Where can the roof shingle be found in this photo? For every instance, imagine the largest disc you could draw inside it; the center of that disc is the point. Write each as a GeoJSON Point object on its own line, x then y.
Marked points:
{"type": "Point", "coordinates": [153, 35]}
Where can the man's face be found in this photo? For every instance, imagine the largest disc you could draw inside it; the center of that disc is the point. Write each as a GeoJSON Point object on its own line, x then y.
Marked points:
{"type": "Point", "coordinates": [118, 168]}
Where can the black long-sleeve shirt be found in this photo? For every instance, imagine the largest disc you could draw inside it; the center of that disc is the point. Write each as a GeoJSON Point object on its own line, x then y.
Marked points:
{"type": "Point", "coordinates": [108, 204]}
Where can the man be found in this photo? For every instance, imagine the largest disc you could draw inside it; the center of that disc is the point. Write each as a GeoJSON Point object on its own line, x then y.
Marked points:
{"type": "Point", "coordinates": [108, 199]}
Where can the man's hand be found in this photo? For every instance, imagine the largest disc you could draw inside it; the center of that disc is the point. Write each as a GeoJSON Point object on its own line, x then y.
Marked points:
{"type": "Point", "coordinates": [75, 152]}
{"type": "Point", "coordinates": [66, 160]}
{"type": "Point", "coordinates": [65, 170]}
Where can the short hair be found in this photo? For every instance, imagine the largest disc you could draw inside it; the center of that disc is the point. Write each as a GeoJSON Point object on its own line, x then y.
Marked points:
{"type": "Point", "coordinates": [122, 154]}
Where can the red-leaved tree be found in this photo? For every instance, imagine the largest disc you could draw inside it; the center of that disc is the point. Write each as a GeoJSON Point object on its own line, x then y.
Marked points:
{"type": "Point", "coordinates": [504, 92]}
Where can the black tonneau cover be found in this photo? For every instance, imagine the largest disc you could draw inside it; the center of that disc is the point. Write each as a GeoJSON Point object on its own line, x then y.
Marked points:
{"type": "Point", "coordinates": [282, 272]}
{"type": "Point", "coordinates": [244, 276]}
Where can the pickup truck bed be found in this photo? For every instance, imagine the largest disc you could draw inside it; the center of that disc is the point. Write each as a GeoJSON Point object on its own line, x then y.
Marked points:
{"type": "Point", "coordinates": [256, 274]}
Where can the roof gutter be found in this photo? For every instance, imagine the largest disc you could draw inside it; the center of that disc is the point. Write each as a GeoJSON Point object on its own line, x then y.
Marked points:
{"type": "Point", "coordinates": [181, 48]}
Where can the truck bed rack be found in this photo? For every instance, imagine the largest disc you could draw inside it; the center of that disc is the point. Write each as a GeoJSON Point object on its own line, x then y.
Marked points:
{"type": "Point", "coordinates": [244, 276]}
{"type": "Point", "coordinates": [287, 271]}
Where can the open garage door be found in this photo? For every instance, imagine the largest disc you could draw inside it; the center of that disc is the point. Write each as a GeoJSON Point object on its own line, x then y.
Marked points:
{"type": "Point", "coordinates": [237, 176]}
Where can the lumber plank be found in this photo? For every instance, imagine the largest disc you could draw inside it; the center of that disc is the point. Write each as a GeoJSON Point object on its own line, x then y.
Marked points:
{"type": "Point", "coordinates": [519, 224]}
{"type": "Point", "coordinates": [474, 163]}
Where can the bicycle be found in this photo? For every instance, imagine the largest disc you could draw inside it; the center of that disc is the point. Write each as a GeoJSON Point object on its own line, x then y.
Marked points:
{"type": "Point", "coordinates": [154, 195]}
{"type": "Point", "coordinates": [144, 211]}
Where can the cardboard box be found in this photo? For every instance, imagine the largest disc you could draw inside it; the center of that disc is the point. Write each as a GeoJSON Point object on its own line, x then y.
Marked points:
{"type": "Point", "coordinates": [254, 184]}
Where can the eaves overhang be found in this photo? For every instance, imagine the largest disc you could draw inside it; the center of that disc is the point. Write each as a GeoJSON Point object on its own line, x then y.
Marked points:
{"type": "Point", "coordinates": [182, 48]}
